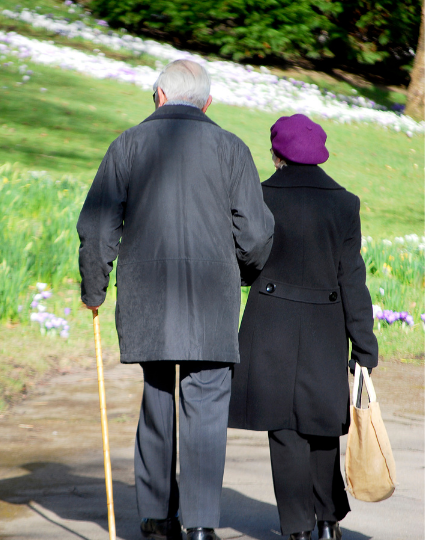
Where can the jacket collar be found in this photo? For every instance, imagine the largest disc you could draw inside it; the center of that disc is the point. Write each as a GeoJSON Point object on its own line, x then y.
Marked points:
{"type": "Point", "coordinates": [296, 175]}
{"type": "Point", "coordinates": [179, 112]}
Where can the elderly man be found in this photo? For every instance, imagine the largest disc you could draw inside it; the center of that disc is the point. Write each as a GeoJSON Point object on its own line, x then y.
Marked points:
{"type": "Point", "coordinates": [180, 200]}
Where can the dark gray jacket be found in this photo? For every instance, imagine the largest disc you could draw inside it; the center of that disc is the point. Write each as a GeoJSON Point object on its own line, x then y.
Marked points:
{"type": "Point", "coordinates": [179, 199]}
{"type": "Point", "coordinates": [310, 299]}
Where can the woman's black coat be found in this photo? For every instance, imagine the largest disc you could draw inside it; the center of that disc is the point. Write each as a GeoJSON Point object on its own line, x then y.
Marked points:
{"type": "Point", "coordinates": [309, 299]}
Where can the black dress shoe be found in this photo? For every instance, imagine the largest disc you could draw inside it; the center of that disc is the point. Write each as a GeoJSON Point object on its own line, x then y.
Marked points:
{"type": "Point", "coordinates": [303, 535]}
{"type": "Point", "coordinates": [161, 529]}
{"type": "Point", "coordinates": [329, 530]}
{"type": "Point", "coordinates": [200, 533]}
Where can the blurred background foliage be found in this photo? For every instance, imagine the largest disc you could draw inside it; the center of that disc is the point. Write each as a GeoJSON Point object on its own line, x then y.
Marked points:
{"type": "Point", "coordinates": [381, 35]}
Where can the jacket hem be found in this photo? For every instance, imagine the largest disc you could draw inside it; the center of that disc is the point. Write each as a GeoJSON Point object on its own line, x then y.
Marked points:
{"type": "Point", "coordinates": [158, 356]}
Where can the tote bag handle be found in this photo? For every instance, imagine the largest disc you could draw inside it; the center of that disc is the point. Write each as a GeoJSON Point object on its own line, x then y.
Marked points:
{"type": "Point", "coordinates": [362, 373]}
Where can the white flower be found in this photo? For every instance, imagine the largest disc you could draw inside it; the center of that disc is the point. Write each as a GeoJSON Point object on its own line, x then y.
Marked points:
{"type": "Point", "coordinates": [413, 238]}
{"type": "Point", "coordinates": [381, 291]}
{"type": "Point", "coordinates": [41, 286]}
{"type": "Point", "coordinates": [399, 240]}
{"type": "Point", "coordinates": [41, 308]}
{"type": "Point", "coordinates": [369, 239]}
{"type": "Point", "coordinates": [38, 297]}
{"type": "Point", "coordinates": [376, 310]}
{"type": "Point", "coordinates": [387, 242]}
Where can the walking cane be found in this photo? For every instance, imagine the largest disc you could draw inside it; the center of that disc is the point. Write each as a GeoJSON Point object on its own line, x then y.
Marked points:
{"type": "Point", "coordinates": [104, 422]}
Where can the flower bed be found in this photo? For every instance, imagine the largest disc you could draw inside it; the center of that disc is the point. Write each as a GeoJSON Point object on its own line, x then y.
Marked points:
{"type": "Point", "coordinates": [396, 279]}
{"type": "Point", "coordinates": [232, 83]}
{"type": "Point", "coordinates": [50, 324]}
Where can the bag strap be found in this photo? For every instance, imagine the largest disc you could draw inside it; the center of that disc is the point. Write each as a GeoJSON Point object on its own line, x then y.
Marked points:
{"type": "Point", "coordinates": [359, 392]}
{"type": "Point", "coordinates": [362, 373]}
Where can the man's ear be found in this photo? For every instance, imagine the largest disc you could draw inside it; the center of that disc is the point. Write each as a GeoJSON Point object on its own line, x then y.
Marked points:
{"type": "Point", "coordinates": [207, 104]}
{"type": "Point", "coordinates": [162, 98]}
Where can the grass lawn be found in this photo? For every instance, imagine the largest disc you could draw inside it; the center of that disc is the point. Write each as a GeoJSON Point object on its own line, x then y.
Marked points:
{"type": "Point", "coordinates": [66, 130]}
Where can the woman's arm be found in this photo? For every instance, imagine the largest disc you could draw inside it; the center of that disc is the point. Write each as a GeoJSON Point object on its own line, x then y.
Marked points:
{"type": "Point", "coordinates": [355, 296]}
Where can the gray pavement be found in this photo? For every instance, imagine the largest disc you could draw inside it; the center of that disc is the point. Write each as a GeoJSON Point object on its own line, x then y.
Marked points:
{"type": "Point", "coordinates": [51, 464]}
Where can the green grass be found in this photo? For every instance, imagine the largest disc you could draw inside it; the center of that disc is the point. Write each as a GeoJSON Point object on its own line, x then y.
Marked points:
{"type": "Point", "coordinates": [26, 356]}
{"type": "Point", "coordinates": [68, 128]}
{"type": "Point", "coordinates": [66, 131]}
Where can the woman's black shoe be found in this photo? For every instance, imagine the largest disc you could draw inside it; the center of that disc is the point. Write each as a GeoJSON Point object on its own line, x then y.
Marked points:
{"type": "Point", "coordinates": [303, 535]}
{"type": "Point", "coordinates": [200, 533]}
{"type": "Point", "coordinates": [329, 530]}
{"type": "Point", "coordinates": [161, 529]}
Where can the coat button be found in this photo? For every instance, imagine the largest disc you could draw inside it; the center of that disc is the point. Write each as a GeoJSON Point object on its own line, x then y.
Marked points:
{"type": "Point", "coordinates": [270, 287]}
{"type": "Point", "coordinates": [333, 296]}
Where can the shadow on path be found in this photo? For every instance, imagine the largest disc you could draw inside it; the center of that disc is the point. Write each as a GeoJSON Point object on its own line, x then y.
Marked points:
{"type": "Point", "coordinates": [258, 519]}
{"type": "Point", "coordinates": [54, 488]}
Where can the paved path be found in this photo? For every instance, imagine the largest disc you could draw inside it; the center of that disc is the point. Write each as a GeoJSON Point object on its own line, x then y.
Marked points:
{"type": "Point", "coordinates": [51, 464]}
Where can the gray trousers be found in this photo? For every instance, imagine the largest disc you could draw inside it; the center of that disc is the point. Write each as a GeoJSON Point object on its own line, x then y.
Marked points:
{"type": "Point", "coordinates": [203, 416]}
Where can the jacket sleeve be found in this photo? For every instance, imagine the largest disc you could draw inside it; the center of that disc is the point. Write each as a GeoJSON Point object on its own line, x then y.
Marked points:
{"type": "Point", "coordinates": [100, 224]}
{"type": "Point", "coordinates": [355, 296]}
{"type": "Point", "coordinates": [253, 223]}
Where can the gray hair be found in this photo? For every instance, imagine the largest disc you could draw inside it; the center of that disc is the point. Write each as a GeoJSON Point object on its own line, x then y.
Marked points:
{"type": "Point", "coordinates": [184, 80]}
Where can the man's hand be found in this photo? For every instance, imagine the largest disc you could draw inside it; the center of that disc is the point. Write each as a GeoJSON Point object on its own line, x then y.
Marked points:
{"type": "Point", "coordinates": [93, 308]}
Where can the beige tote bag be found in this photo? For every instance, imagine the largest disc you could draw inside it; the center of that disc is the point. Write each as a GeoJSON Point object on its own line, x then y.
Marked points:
{"type": "Point", "coordinates": [369, 462]}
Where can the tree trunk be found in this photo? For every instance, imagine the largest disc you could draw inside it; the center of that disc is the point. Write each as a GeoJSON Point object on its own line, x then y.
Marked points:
{"type": "Point", "coordinates": [415, 92]}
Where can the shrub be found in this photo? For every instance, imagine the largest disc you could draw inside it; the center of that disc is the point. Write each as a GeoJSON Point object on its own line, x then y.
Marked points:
{"type": "Point", "coordinates": [357, 30]}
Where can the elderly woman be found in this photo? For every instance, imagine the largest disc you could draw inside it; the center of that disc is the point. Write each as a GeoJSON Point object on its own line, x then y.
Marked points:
{"type": "Point", "coordinates": [308, 301]}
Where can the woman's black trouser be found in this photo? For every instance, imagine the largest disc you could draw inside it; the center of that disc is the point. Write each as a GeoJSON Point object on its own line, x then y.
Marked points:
{"type": "Point", "coordinates": [307, 480]}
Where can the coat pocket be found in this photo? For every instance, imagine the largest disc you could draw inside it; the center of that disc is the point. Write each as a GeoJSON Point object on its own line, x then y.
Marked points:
{"type": "Point", "coordinates": [295, 293]}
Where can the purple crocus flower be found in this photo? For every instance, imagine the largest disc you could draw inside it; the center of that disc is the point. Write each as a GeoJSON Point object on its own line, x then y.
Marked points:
{"type": "Point", "coordinates": [46, 294]}
{"type": "Point", "coordinates": [67, 311]}
{"type": "Point", "coordinates": [19, 309]}
{"type": "Point", "coordinates": [34, 304]}
{"type": "Point", "coordinates": [409, 320]}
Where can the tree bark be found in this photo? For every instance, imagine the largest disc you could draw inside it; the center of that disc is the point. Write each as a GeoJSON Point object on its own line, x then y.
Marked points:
{"type": "Point", "coordinates": [415, 92]}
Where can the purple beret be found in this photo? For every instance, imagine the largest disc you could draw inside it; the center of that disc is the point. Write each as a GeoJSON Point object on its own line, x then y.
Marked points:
{"type": "Point", "coordinates": [299, 139]}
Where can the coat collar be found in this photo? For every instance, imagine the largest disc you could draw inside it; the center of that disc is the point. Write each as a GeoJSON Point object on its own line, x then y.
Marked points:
{"type": "Point", "coordinates": [296, 175]}
{"type": "Point", "coordinates": [179, 112]}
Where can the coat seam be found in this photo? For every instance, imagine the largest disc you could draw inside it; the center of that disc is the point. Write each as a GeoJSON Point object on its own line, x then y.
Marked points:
{"type": "Point", "coordinates": [177, 259]}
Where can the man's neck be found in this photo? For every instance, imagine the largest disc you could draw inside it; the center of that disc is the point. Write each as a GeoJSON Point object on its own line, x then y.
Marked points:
{"type": "Point", "coordinates": [180, 102]}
